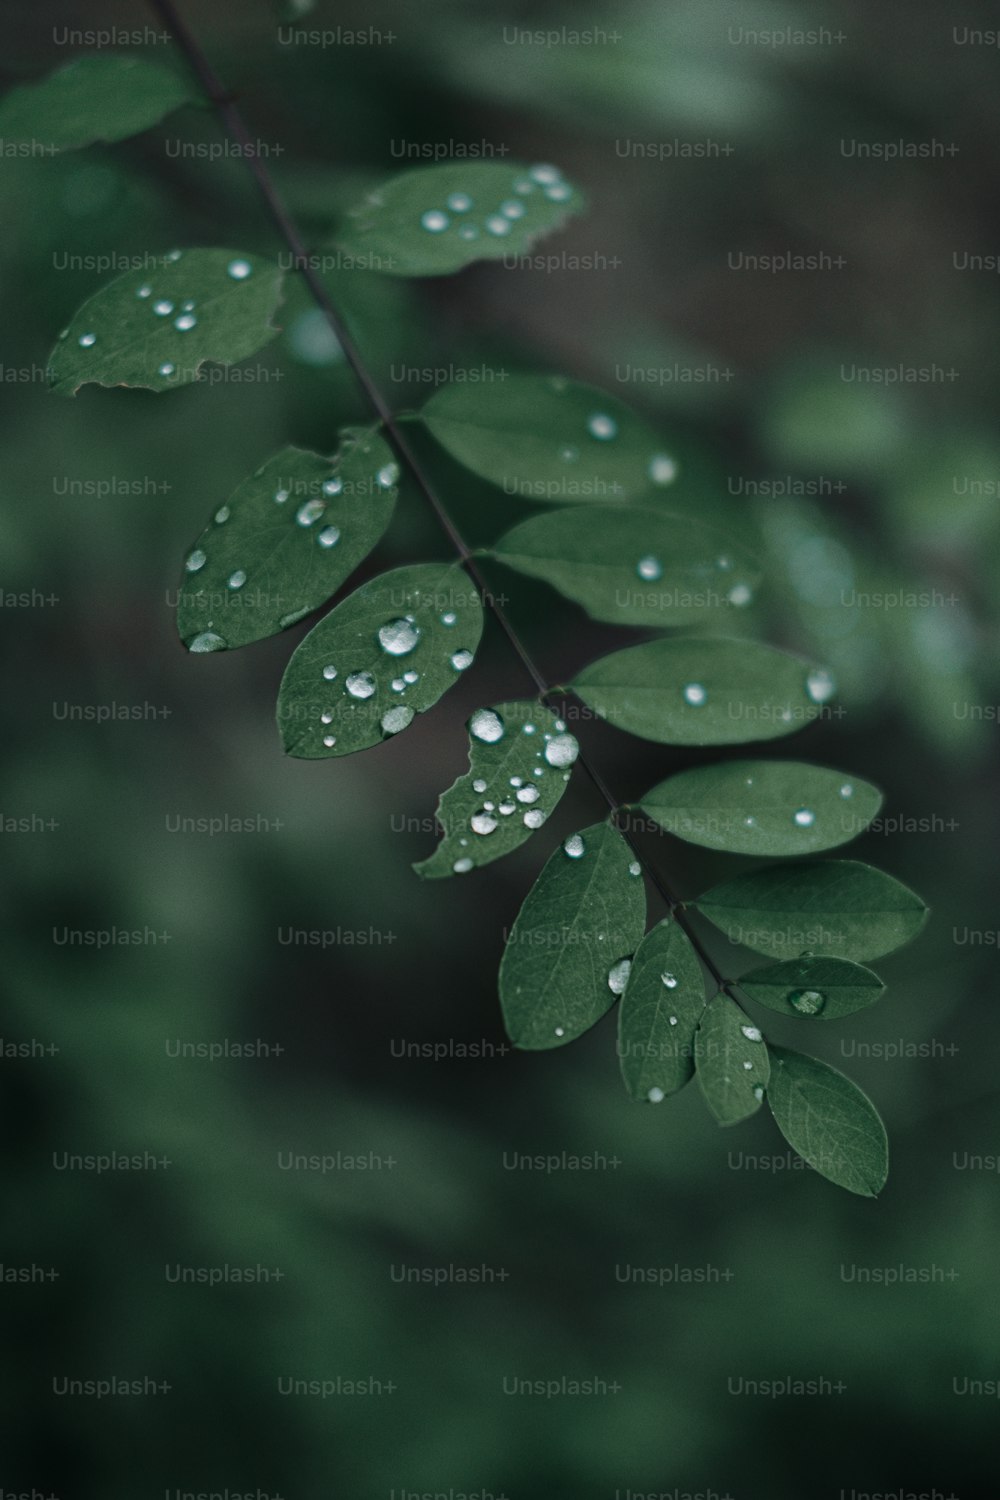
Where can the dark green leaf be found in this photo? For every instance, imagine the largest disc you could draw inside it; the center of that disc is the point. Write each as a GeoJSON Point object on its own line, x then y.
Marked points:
{"type": "Point", "coordinates": [545, 438]}
{"type": "Point", "coordinates": [562, 967]}
{"type": "Point", "coordinates": [701, 691]}
{"type": "Point", "coordinates": [660, 1011]}
{"type": "Point", "coordinates": [829, 1122]}
{"type": "Point", "coordinates": [433, 220]}
{"type": "Point", "coordinates": [514, 781]}
{"type": "Point", "coordinates": [101, 96]}
{"type": "Point", "coordinates": [156, 329]}
{"type": "Point", "coordinates": [764, 807]}
{"type": "Point", "coordinates": [285, 541]}
{"type": "Point", "coordinates": [631, 567]}
{"type": "Point", "coordinates": [838, 908]}
{"type": "Point", "coordinates": [388, 652]}
{"type": "Point", "coordinates": [826, 988]}
{"type": "Point", "coordinates": [731, 1060]}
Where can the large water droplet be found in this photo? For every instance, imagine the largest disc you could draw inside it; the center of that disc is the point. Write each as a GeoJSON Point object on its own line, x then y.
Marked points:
{"type": "Point", "coordinates": [462, 866]}
{"type": "Point", "coordinates": [163, 308]}
{"type": "Point", "coordinates": [602, 427]}
{"type": "Point", "coordinates": [309, 512]}
{"type": "Point", "coordinates": [184, 322]}
{"type": "Point", "coordinates": [482, 822]}
{"type": "Point", "coordinates": [434, 221]}
{"type": "Point", "coordinates": [237, 580]}
{"type": "Point", "coordinates": [196, 560]}
{"type": "Point", "coordinates": [398, 637]}
{"type": "Point", "coordinates": [574, 846]}
{"type": "Point", "coordinates": [662, 469]}
{"type": "Point", "coordinates": [86, 340]}
{"type": "Point", "coordinates": [222, 515]}
{"type": "Point", "coordinates": [807, 1002]}
{"type": "Point", "coordinates": [329, 536]}
{"type": "Point", "coordinates": [395, 719]}
{"type": "Point", "coordinates": [650, 568]}
{"type": "Point", "coordinates": [460, 660]}
{"type": "Point", "coordinates": [561, 750]}
{"type": "Point", "coordinates": [656, 1096]}
{"type": "Point", "coordinates": [695, 694]}
{"type": "Point", "coordinates": [618, 976]}
{"type": "Point", "coordinates": [670, 980]}
{"type": "Point", "coordinates": [534, 819]}
{"type": "Point", "coordinates": [333, 486]}
{"type": "Point", "coordinates": [740, 595]}
{"type": "Point", "coordinates": [635, 868]}
{"type": "Point", "coordinates": [239, 270]}
{"type": "Point", "coordinates": [411, 677]}
{"type": "Point", "coordinates": [487, 726]}
{"type": "Point", "coordinates": [387, 476]}
{"type": "Point", "coordinates": [479, 785]}
{"type": "Point", "coordinates": [167, 368]}
{"type": "Point", "coordinates": [507, 807]}
{"type": "Point", "coordinates": [560, 1031]}
{"type": "Point", "coordinates": [528, 794]}
{"type": "Point", "coordinates": [329, 672]}
{"type": "Point", "coordinates": [361, 684]}
{"type": "Point", "coordinates": [752, 1033]}
{"type": "Point", "coordinates": [207, 641]}
{"type": "Point", "coordinates": [329, 740]}
{"type": "Point", "coordinates": [805, 817]}
{"type": "Point", "coordinates": [820, 685]}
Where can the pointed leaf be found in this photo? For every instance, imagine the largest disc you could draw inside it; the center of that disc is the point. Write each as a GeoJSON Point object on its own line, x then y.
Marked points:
{"type": "Point", "coordinates": [433, 220]}
{"type": "Point", "coordinates": [824, 988]}
{"type": "Point", "coordinates": [637, 566]}
{"type": "Point", "coordinates": [545, 438]}
{"type": "Point", "coordinates": [582, 917]}
{"type": "Point", "coordinates": [839, 908]}
{"type": "Point", "coordinates": [700, 691]}
{"type": "Point", "coordinates": [829, 1122]}
{"type": "Point", "coordinates": [515, 779]}
{"type": "Point", "coordinates": [731, 1060]}
{"type": "Point", "coordinates": [660, 1011]}
{"type": "Point", "coordinates": [285, 541]}
{"type": "Point", "coordinates": [388, 652]}
{"type": "Point", "coordinates": [764, 807]}
{"type": "Point", "coordinates": [157, 328]}
{"type": "Point", "coordinates": [101, 96]}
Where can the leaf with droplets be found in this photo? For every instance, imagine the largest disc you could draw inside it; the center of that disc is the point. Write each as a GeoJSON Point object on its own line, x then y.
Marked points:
{"type": "Point", "coordinates": [764, 807]}
{"type": "Point", "coordinates": [433, 220]}
{"type": "Point", "coordinates": [562, 966]}
{"type": "Point", "coordinates": [838, 908]}
{"type": "Point", "coordinates": [824, 988]}
{"type": "Point", "coordinates": [101, 96]}
{"type": "Point", "coordinates": [660, 1012]}
{"type": "Point", "coordinates": [829, 1121]}
{"type": "Point", "coordinates": [546, 438]}
{"type": "Point", "coordinates": [285, 541]}
{"type": "Point", "coordinates": [156, 329]}
{"type": "Point", "coordinates": [387, 653]}
{"type": "Point", "coordinates": [708, 691]}
{"type": "Point", "coordinates": [635, 566]}
{"type": "Point", "coordinates": [519, 760]}
{"type": "Point", "coordinates": [731, 1061]}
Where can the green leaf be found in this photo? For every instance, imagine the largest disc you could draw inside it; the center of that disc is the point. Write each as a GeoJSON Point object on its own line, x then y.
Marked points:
{"type": "Point", "coordinates": [157, 328]}
{"type": "Point", "coordinates": [101, 96]}
{"type": "Point", "coordinates": [514, 780]}
{"type": "Point", "coordinates": [631, 567]}
{"type": "Point", "coordinates": [824, 988]}
{"type": "Point", "coordinates": [731, 1061]}
{"type": "Point", "coordinates": [764, 807]}
{"type": "Point", "coordinates": [662, 1005]}
{"type": "Point", "coordinates": [545, 438]}
{"type": "Point", "coordinates": [701, 691]}
{"type": "Point", "coordinates": [431, 221]}
{"type": "Point", "coordinates": [387, 653]}
{"type": "Point", "coordinates": [829, 1122]}
{"type": "Point", "coordinates": [838, 908]}
{"type": "Point", "coordinates": [285, 541]}
{"type": "Point", "coordinates": [583, 916]}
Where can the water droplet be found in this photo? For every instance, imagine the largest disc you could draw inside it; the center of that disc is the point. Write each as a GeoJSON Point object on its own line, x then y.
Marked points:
{"type": "Point", "coordinates": [329, 672]}
{"type": "Point", "coordinates": [188, 306]}
{"type": "Point", "coordinates": [656, 1096]}
{"type": "Point", "coordinates": [222, 515]}
{"type": "Point", "coordinates": [662, 469]}
{"type": "Point", "coordinates": [497, 224]}
{"type": "Point", "coordinates": [326, 717]}
{"type": "Point", "coordinates": [805, 817]}
{"type": "Point", "coordinates": [395, 719]}
{"type": "Point", "coordinates": [574, 846]}
{"type": "Point", "coordinates": [758, 1092]}
{"type": "Point", "coordinates": [462, 866]}
{"type": "Point", "coordinates": [482, 822]}
{"type": "Point", "coordinates": [196, 560]}
{"type": "Point", "coordinates": [672, 1020]}
{"type": "Point", "coordinates": [670, 980]}
{"type": "Point", "coordinates": [602, 427]}
{"type": "Point", "coordinates": [524, 185]}
{"type": "Point", "coordinates": [173, 255]}
{"type": "Point", "coordinates": [560, 1031]}
{"type": "Point", "coordinates": [86, 340]}
{"type": "Point", "coordinates": [847, 790]}
{"type": "Point", "coordinates": [411, 677]}
{"type": "Point", "coordinates": [479, 785]}
{"type": "Point", "coordinates": [329, 740]}
{"type": "Point", "coordinates": [184, 322]}
{"type": "Point", "coordinates": [207, 641]}
{"type": "Point", "coordinates": [740, 595]}
{"type": "Point", "coordinates": [724, 563]}
{"type": "Point", "coordinates": [459, 203]}
{"type": "Point", "coordinates": [569, 455]}
{"type": "Point", "coordinates": [468, 232]}
{"type": "Point", "coordinates": [309, 512]}
{"type": "Point", "coordinates": [749, 821]}
{"type": "Point", "coordinates": [820, 685]}
{"type": "Point", "coordinates": [544, 173]}
{"type": "Point", "coordinates": [695, 694]}
{"type": "Point", "coordinates": [144, 291]}
{"type": "Point", "coordinates": [387, 476]}
{"type": "Point", "coordinates": [329, 536]}
{"type": "Point", "coordinates": [535, 818]}
{"type": "Point", "coordinates": [649, 568]}
{"type": "Point", "coordinates": [167, 368]}
{"type": "Point", "coordinates": [239, 270]}
{"type": "Point", "coordinates": [398, 637]}
{"type": "Point", "coordinates": [618, 976]}
{"type": "Point", "coordinates": [332, 486]}
{"type": "Point", "coordinates": [528, 729]}
{"type": "Point", "coordinates": [559, 192]}
{"type": "Point", "coordinates": [280, 496]}
{"type": "Point", "coordinates": [507, 808]}
{"type": "Point", "coordinates": [434, 221]}
{"type": "Point", "coordinates": [752, 1033]}
{"type": "Point", "coordinates": [807, 1002]}
{"type": "Point", "coordinates": [163, 308]}
{"type": "Point", "coordinates": [361, 684]}
{"type": "Point", "coordinates": [561, 750]}
{"type": "Point", "coordinates": [512, 209]}
{"type": "Point", "coordinates": [487, 726]}
{"type": "Point", "coordinates": [748, 1066]}
{"type": "Point", "coordinates": [635, 868]}
{"type": "Point", "coordinates": [449, 617]}
{"type": "Point", "coordinates": [528, 794]}
{"type": "Point", "coordinates": [461, 659]}
{"type": "Point", "coordinates": [237, 580]}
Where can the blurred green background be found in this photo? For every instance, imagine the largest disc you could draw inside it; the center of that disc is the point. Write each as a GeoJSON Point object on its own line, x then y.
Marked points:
{"type": "Point", "coordinates": [761, 1271]}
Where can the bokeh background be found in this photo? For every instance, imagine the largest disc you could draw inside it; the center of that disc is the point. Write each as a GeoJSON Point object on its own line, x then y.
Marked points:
{"type": "Point", "coordinates": [762, 1271]}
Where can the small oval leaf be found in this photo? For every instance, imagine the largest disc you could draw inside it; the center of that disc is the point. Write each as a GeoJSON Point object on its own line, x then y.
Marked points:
{"type": "Point", "coordinates": [583, 916]}
{"type": "Point", "coordinates": [636, 566]}
{"type": "Point", "coordinates": [542, 437]}
{"type": "Point", "coordinates": [764, 807]}
{"type": "Point", "coordinates": [516, 777]}
{"type": "Point", "coordinates": [700, 691]}
{"type": "Point", "coordinates": [285, 541]}
{"type": "Point", "coordinates": [101, 96]}
{"type": "Point", "coordinates": [660, 1012]}
{"type": "Point", "coordinates": [829, 1121]}
{"type": "Point", "coordinates": [731, 1060]}
{"type": "Point", "coordinates": [822, 988]}
{"type": "Point", "coordinates": [156, 329]}
{"type": "Point", "coordinates": [432, 221]}
{"type": "Point", "coordinates": [839, 908]}
{"type": "Point", "coordinates": [387, 653]}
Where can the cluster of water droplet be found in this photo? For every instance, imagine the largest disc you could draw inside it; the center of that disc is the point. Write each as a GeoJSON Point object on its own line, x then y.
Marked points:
{"type": "Point", "coordinates": [498, 222]}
